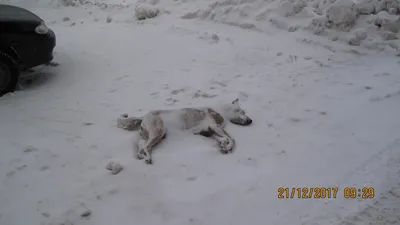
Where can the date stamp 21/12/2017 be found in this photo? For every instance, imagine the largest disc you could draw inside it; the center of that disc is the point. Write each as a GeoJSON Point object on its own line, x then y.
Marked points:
{"type": "Point", "coordinates": [325, 193]}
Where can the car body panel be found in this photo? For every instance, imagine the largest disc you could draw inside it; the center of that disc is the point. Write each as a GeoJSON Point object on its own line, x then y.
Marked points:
{"type": "Point", "coordinates": [19, 39]}
{"type": "Point", "coordinates": [10, 13]}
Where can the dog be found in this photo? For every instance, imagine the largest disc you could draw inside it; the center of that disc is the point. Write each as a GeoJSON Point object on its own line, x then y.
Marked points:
{"type": "Point", "coordinates": [204, 121]}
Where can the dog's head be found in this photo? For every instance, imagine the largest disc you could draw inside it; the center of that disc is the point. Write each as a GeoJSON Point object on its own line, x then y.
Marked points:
{"type": "Point", "coordinates": [237, 115]}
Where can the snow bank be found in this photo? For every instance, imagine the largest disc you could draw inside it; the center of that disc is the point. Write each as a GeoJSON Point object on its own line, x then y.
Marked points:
{"type": "Point", "coordinates": [370, 23]}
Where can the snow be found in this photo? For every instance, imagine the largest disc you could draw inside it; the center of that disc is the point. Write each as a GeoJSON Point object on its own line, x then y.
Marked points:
{"type": "Point", "coordinates": [325, 114]}
{"type": "Point", "coordinates": [146, 11]}
{"type": "Point", "coordinates": [335, 19]}
{"type": "Point", "coordinates": [342, 13]}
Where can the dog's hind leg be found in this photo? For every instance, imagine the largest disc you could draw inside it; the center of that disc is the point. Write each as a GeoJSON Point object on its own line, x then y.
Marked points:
{"type": "Point", "coordinates": [147, 148]}
{"type": "Point", "coordinates": [138, 146]}
{"type": "Point", "coordinates": [152, 131]}
{"type": "Point", "coordinates": [225, 141]}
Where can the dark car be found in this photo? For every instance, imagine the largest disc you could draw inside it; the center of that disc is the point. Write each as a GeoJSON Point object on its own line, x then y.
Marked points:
{"type": "Point", "coordinates": [25, 42]}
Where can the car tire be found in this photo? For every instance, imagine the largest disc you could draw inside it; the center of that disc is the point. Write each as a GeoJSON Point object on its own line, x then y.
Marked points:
{"type": "Point", "coordinates": [8, 78]}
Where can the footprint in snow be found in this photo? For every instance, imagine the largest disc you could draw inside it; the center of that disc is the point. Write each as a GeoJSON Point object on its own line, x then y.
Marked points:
{"type": "Point", "coordinates": [201, 94]}
{"type": "Point", "coordinates": [177, 91]}
{"type": "Point", "coordinates": [294, 120]}
{"type": "Point", "coordinates": [47, 215]}
{"type": "Point", "coordinates": [154, 93]}
{"type": "Point", "coordinates": [30, 149]}
{"type": "Point", "coordinates": [171, 101]}
{"type": "Point", "coordinates": [43, 168]}
{"type": "Point", "coordinates": [191, 178]}
{"type": "Point", "coordinates": [12, 173]}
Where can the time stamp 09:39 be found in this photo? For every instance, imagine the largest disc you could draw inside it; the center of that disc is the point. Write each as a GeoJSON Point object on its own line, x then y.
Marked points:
{"type": "Point", "coordinates": [326, 193]}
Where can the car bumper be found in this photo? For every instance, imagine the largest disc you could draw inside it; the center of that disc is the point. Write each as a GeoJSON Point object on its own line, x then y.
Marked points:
{"type": "Point", "coordinates": [39, 52]}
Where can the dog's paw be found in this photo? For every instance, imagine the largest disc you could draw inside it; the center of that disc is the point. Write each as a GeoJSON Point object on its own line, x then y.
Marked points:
{"type": "Point", "coordinates": [139, 157]}
{"type": "Point", "coordinates": [226, 145]}
{"type": "Point", "coordinates": [224, 152]}
{"type": "Point", "coordinates": [140, 154]}
{"type": "Point", "coordinates": [149, 161]}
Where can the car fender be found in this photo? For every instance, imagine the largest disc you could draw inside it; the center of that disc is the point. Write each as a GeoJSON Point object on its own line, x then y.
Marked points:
{"type": "Point", "coordinates": [11, 62]}
{"type": "Point", "coordinates": [11, 52]}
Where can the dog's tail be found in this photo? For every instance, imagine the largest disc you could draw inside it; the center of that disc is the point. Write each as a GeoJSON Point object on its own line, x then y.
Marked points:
{"type": "Point", "coordinates": [128, 123]}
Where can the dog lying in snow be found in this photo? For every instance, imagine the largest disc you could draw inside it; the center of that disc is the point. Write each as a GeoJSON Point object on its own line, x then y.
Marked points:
{"type": "Point", "coordinates": [208, 122]}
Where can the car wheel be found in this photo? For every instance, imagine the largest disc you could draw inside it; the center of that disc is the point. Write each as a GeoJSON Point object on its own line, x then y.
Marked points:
{"type": "Point", "coordinates": [8, 80]}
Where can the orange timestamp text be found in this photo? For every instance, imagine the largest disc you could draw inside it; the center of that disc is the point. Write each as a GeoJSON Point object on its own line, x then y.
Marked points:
{"type": "Point", "coordinates": [325, 193]}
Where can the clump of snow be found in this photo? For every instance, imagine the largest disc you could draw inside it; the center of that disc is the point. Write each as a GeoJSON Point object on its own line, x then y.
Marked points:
{"type": "Point", "coordinates": [288, 8]}
{"type": "Point", "coordinates": [354, 41]}
{"type": "Point", "coordinates": [71, 2]}
{"type": "Point", "coordinates": [366, 7]}
{"type": "Point", "coordinates": [109, 19]}
{"type": "Point", "coordinates": [387, 35]}
{"type": "Point", "coordinates": [392, 11]}
{"type": "Point", "coordinates": [357, 36]}
{"type": "Point", "coordinates": [114, 167]}
{"type": "Point", "coordinates": [318, 24]}
{"type": "Point", "coordinates": [146, 11]}
{"type": "Point", "coordinates": [388, 22]}
{"type": "Point", "coordinates": [86, 213]}
{"type": "Point", "coordinates": [342, 14]}
{"type": "Point", "coordinates": [65, 19]}
{"type": "Point", "coordinates": [360, 34]}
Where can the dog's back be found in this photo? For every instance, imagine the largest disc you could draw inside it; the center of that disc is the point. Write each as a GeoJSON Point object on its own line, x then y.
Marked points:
{"type": "Point", "coordinates": [186, 118]}
{"type": "Point", "coordinates": [182, 119]}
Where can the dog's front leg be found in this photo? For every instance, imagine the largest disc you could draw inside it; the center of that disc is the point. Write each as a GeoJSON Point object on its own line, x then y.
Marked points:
{"type": "Point", "coordinates": [224, 140]}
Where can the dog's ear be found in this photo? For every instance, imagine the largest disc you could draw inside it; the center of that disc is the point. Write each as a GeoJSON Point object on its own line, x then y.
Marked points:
{"type": "Point", "coordinates": [235, 101]}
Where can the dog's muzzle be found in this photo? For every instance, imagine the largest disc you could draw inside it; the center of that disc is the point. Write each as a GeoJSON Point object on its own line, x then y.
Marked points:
{"type": "Point", "coordinates": [249, 121]}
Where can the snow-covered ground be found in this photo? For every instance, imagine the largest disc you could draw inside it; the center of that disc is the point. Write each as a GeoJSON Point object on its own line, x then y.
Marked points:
{"type": "Point", "coordinates": [326, 114]}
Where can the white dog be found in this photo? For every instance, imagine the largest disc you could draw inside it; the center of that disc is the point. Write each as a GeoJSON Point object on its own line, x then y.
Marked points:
{"type": "Point", "coordinates": [208, 122]}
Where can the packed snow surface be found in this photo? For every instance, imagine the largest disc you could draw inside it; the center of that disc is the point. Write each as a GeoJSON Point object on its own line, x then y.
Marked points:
{"type": "Point", "coordinates": [325, 114]}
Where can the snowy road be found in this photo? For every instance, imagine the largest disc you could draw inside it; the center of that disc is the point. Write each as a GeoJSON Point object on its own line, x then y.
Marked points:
{"type": "Point", "coordinates": [323, 117]}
